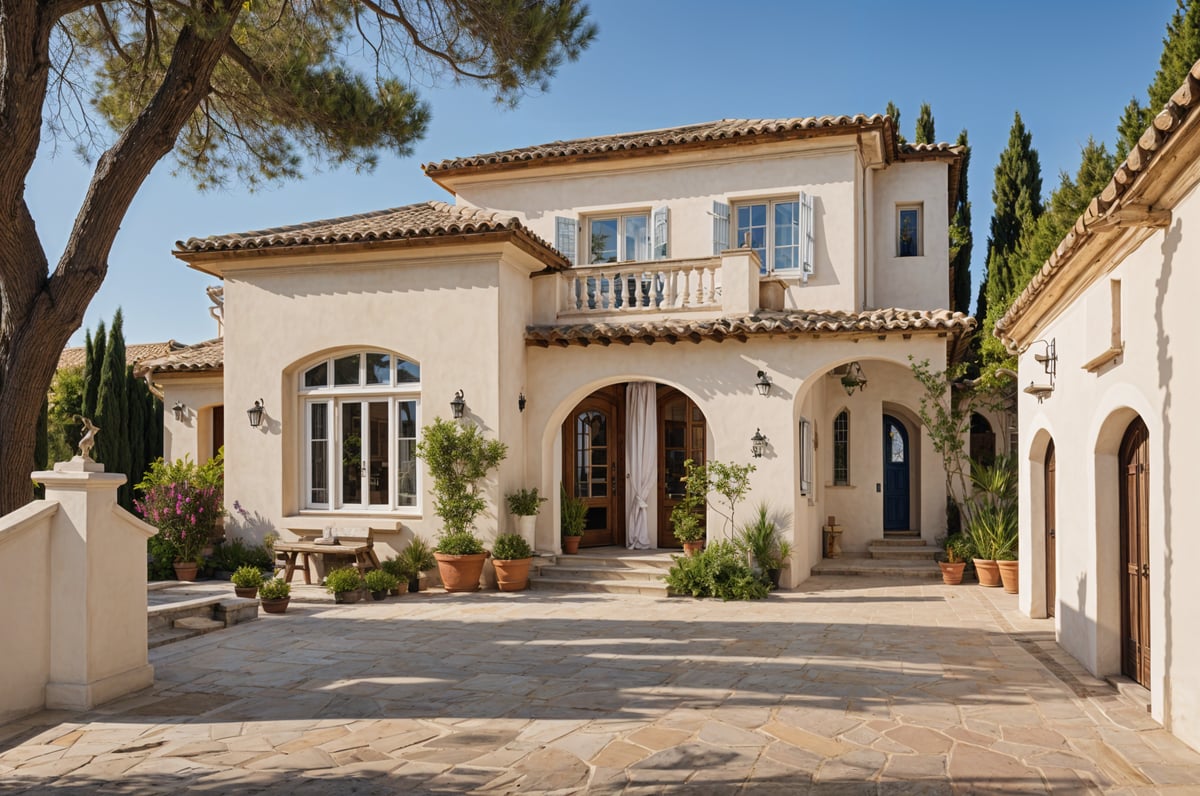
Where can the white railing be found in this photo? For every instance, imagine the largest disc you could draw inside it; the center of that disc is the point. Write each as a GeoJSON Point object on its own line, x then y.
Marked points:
{"type": "Point", "coordinates": [641, 287]}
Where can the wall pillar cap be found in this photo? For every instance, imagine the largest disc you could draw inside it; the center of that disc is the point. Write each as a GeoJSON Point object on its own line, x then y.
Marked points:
{"type": "Point", "coordinates": [81, 471]}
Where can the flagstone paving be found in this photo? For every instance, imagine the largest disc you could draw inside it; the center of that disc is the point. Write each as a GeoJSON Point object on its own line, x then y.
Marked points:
{"type": "Point", "coordinates": [846, 685]}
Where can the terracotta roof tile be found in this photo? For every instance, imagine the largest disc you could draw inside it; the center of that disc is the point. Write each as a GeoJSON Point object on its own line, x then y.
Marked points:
{"type": "Point", "coordinates": [424, 220]}
{"type": "Point", "coordinates": [134, 354]}
{"type": "Point", "coordinates": [764, 322]}
{"type": "Point", "coordinates": [198, 358]}
{"type": "Point", "coordinates": [1140, 160]}
{"type": "Point", "coordinates": [721, 131]}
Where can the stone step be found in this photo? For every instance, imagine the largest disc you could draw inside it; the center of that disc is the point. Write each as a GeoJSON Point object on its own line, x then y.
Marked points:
{"type": "Point", "coordinates": [644, 588]}
{"type": "Point", "coordinates": [903, 552]}
{"type": "Point", "coordinates": [175, 617]}
{"type": "Point", "coordinates": [873, 567]}
{"type": "Point", "coordinates": [661, 561]}
{"type": "Point", "coordinates": [581, 572]}
{"type": "Point", "coordinates": [906, 541]}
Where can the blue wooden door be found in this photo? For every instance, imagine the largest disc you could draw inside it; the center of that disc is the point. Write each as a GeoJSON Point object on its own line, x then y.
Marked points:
{"type": "Point", "coordinates": [895, 475]}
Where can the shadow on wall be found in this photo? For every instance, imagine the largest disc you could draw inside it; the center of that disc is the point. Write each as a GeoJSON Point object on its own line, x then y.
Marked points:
{"type": "Point", "coordinates": [1166, 370]}
{"type": "Point", "coordinates": [1078, 633]}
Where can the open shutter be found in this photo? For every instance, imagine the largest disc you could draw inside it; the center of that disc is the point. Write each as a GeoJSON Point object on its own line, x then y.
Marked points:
{"type": "Point", "coordinates": [806, 235]}
{"type": "Point", "coordinates": [564, 237]}
{"type": "Point", "coordinates": [658, 234]}
{"type": "Point", "coordinates": [720, 214]}
{"type": "Point", "coordinates": [806, 457]}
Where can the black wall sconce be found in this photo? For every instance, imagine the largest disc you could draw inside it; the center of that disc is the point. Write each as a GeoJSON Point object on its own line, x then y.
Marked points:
{"type": "Point", "coordinates": [458, 405]}
{"type": "Point", "coordinates": [763, 384]}
{"type": "Point", "coordinates": [854, 378]}
{"type": "Point", "coordinates": [758, 444]}
{"type": "Point", "coordinates": [178, 410]}
{"type": "Point", "coordinates": [521, 402]}
{"type": "Point", "coordinates": [255, 413]}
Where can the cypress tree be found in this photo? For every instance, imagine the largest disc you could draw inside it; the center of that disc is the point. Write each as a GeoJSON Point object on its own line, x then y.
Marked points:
{"type": "Point", "coordinates": [137, 426]}
{"type": "Point", "coordinates": [924, 131]}
{"type": "Point", "coordinates": [93, 365]}
{"type": "Point", "coordinates": [894, 112]}
{"type": "Point", "coordinates": [112, 410]}
{"type": "Point", "coordinates": [961, 239]}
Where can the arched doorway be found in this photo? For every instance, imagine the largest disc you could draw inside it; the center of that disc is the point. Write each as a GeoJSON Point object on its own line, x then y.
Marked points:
{"type": "Point", "coordinates": [896, 456]}
{"type": "Point", "coordinates": [983, 440]}
{"type": "Point", "coordinates": [1049, 523]}
{"type": "Point", "coordinates": [1134, 495]}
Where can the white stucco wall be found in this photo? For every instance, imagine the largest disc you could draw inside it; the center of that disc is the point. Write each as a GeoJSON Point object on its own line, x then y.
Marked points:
{"type": "Point", "coordinates": [1156, 378]}
{"type": "Point", "coordinates": [917, 283]}
{"type": "Point", "coordinates": [191, 435]}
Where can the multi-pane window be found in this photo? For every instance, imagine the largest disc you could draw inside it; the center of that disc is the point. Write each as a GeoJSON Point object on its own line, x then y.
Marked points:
{"type": "Point", "coordinates": [360, 427]}
{"type": "Point", "coordinates": [772, 229]}
{"type": "Point", "coordinates": [908, 231]}
{"type": "Point", "coordinates": [841, 449]}
{"type": "Point", "coordinates": [613, 239]}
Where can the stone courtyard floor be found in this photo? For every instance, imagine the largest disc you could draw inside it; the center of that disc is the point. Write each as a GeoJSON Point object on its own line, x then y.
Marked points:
{"type": "Point", "coordinates": [846, 685]}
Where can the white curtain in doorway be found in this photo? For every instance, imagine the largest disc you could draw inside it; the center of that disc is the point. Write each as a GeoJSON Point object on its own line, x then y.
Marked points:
{"type": "Point", "coordinates": [641, 457]}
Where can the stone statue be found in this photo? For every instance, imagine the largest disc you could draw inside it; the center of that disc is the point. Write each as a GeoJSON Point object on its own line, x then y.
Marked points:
{"type": "Point", "coordinates": [89, 437]}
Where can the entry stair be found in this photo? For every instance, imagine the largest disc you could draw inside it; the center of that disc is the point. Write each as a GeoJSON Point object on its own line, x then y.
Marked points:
{"type": "Point", "coordinates": [906, 556]}
{"type": "Point", "coordinates": [604, 570]}
{"type": "Point", "coordinates": [178, 611]}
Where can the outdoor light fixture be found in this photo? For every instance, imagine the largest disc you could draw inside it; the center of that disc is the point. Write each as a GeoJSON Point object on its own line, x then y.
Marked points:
{"type": "Point", "coordinates": [1040, 391]}
{"type": "Point", "coordinates": [1049, 361]}
{"type": "Point", "coordinates": [764, 383]}
{"type": "Point", "coordinates": [854, 378]}
{"type": "Point", "coordinates": [521, 402]}
{"type": "Point", "coordinates": [179, 408]}
{"type": "Point", "coordinates": [758, 444]}
{"type": "Point", "coordinates": [255, 413]}
{"type": "Point", "coordinates": [458, 405]}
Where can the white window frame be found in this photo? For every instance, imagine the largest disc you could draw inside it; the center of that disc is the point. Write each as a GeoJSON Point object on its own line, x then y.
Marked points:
{"type": "Point", "coordinates": [801, 246]}
{"type": "Point", "coordinates": [394, 393]}
{"type": "Point", "coordinates": [585, 224]}
{"type": "Point", "coordinates": [805, 438]}
{"type": "Point", "coordinates": [834, 448]}
{"type": "Point", "coordinates": [920, 210]}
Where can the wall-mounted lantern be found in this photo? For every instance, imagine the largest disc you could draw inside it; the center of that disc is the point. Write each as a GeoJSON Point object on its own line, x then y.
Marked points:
{"type": "Point", "coordinates": [255, 413]}
{"type": "Point", "coordinates": [854, 378]}
{"type": "Point", "coordinates": [521, 402]}
{"type": "Point", "coordinates": [458, 405]}
{"type": "Point", "coordinates": [763, 385]}
{"type": "Point", "coordinates": [179, 409]}
{"type": "Point", "coordinates": [758, 444]}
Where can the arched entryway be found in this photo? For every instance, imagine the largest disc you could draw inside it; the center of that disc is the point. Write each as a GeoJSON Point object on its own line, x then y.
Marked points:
{"type": "Point", "coordinates": [897, 457]}
{"type": "Point", "coordinates": [598, 466]}
{"type": "Point", "coordinates": [1134, 495]}
{"type": "Point", "coordinates": [1050, 512]}
{"type": "Point", "coordinates": [983, 440]}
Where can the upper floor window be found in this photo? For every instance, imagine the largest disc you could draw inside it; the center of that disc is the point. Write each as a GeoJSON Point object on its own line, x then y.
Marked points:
{"type": "Point", "coordinates": [909, 236]}
{"type": "Point", "coordinates": [360, 426]}
{"type": "Point", "coordinates": [841, 449]}
{"type": "Point", "coordinates": [614, 239]}
{"type": "Point", "coordinates": [780, 231]}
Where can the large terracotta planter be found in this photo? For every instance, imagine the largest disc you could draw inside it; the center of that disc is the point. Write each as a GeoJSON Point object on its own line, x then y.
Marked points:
{"type": "Point", "coordinates": [952, 573]}
{"type": "Point", "coordinates": [693, 548]}
{"type": "Point", "coordinates": [185, 570]}
{"type": "Point", "coordinates": [512, 574]}
{"type": "Point", "coordinates": [460, 573]}
{"type": "Point", "coordinates": [988, 572]}
{"type": "Point", "coordinates": [276, 606]}
{"type": "Point", "coordinates": [1009, 575]}
{"type": "Point", "coordinates": [571, 544]}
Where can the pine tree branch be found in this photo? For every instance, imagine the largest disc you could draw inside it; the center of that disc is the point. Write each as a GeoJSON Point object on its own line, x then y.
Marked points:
{"type": "Point", "coordinates": [446, 58]}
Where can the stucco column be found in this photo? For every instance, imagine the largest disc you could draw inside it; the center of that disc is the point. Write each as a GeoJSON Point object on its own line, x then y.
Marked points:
{"type": "Point", "coordinates": [739, 282]}
{"type": "Point", "coordinates": [98, 589]}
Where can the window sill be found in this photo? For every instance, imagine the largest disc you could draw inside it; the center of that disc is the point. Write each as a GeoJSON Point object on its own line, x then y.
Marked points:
{"type": "Point", "coordinates": [318, 520]}
{"type": "Point", "coordinates": [1111, 355]}
{"type": "Point", "coordinates": [841, 486]}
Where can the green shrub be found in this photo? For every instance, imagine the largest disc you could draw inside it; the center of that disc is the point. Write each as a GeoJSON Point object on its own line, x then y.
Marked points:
{"type": "Point", "coordinates": [380, 580]}
{"type": "Point", "coordinates": [525, 502]}
{"type": "Point", "coordinates": [958, 548]}
{"type": "Point", "coordinates": [762, 539]}
{"type": "Point", "coordinates": [459, 459]}
{"type": "Point", "coordinates": [459, 543]}
{"type": "Point", "coordinates": [413, 560]}
{"type": "Point", "coordinates": [720, 570]}
{"type": "Point", "coordinates": [343, 580]}
{"type": "Point", "coordinates": [234, 553]}
{"type": "Point", "coordinates": [275, 589]}
{"type": "Point", "coordinates": [511, 546]}
{"type": "Point", "coordinates": [247, 577]}
{"type": "Point", "coordinates": [160, 559]}
{"type": "Point", "coordinates": [574, 513]}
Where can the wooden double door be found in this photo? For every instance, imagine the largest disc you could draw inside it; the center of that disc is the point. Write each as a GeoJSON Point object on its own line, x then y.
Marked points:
{"type": "Point", "coordinates": [594, 461]}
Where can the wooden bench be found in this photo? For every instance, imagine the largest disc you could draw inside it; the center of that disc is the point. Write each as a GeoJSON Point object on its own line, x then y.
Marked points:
{"type": "Point", "coordinates": [361, 549]}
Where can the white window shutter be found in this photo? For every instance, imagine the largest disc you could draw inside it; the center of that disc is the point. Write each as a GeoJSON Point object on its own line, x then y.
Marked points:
{"type": "Point", "coordinates": [806, 457]}
{"type": "Point", "coordinates": [720, 213]}
{"type": "Point", "coordinates": [806, 234]}
{"type": "Point", "coordinates": [658, 234]}
{"type": "Point", "coordinates": [564, 237]}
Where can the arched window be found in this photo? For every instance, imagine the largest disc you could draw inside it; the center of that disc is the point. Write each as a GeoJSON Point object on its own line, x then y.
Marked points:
{"type": "Point", "coordinates": [361, 415]}
{"type": "Point", "coordinates": [841, 449]}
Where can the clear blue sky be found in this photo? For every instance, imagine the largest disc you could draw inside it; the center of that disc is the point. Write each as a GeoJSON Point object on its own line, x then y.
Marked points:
{"type": "Point", "coordinates": [1069, 67]}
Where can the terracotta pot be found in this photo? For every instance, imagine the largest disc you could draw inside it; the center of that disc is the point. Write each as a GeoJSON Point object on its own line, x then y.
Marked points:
{"type": "Point", "coordinates": [347, 596]}
{"type": "Point", "coordinates": [952, 573]}
{"type": "Point", "coordinates": [513, 574]}
{"type": "Point", "coordinates": [988, 572]}
{"type": "Point", "coordinates": [693, 548]}
{"type": "Point", "coordinates": [245, 591]}
{"type": "Point", "coordinates": [460, 573]}
{"type": "Point", "coordinates": [276, 606]}
{"type": "Point", "coordinates": [1009, 575]}
{"type": "Point", "coordinates": [185, 570]}
{"type": "Point", "coordinates": [571, 544]}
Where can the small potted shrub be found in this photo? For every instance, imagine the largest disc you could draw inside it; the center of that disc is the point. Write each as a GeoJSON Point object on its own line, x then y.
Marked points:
{"type": "Point", "coordinates": [764, 544]}
{"type": "Point", "coordinates": [344, 584]}
{"type": "Point", "coordinates": [393, 567]}
{"type": "Point", "coordinates": [379, 582]}
{"type": "Point", "coordinates": [275, 595]}
{"type": "Point", "coordinates": [958, 550]}
{"type": "Point", "coordinates": [574, 517]}
{"type": "Point", "coordinates": [511, 556]}
{"type": "Point", "coordinates": [524, 505]}
{"type": "Point", "coordinates": [413, 560]}
{"type": "Point", "coordinates": [459, 459]}
{"type": "Point", "coordinates": [246, 580]}
{"type": "Point", "coordinates": [688, 530]}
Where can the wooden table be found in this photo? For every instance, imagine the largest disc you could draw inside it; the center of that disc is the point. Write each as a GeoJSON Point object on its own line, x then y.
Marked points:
{"type": "Point", "coordinates": [362, 551]}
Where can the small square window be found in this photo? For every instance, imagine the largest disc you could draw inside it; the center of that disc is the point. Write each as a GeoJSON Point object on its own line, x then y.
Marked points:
{"type": "Point", "coordinates": [909, 236]}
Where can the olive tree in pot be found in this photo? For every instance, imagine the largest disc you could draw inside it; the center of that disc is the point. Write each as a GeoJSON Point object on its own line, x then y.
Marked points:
{"type": "Point", "coordinates": [574, 517]}
{"type": "Point", "coordinates": [524, 505]}
{"type": "Point", "coordinates": [459, 459]}
{"type": "Point", "coordinates": [511, 556]}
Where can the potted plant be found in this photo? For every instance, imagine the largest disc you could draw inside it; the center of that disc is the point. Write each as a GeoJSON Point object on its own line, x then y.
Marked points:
{"type": "Point", "coordinates": [393, 567]}
{"type": "Point", "coordinates": [688, 529]}
{"type": "Point", "coordinates": [379, 582]}
{"type": "Point", "coordinates": [459, 459]}
{"type": "Point", "coordinates": [275, 595]}
{"type": "Point", "coordinates": [762, 542]}
{"type": "Point", "coordinates": [524, 505]}
{"type": "Point", "coordinates": [958, 549]}
{"type": "Point", "coordinates": [992, 524]}
{"type": "Point", "coordinates": [344, 584]}
{"type": "Point", "coordinates": [185, 502]}
{"type": "Point", "coordinates": [574, 517]}
{"type": "Point", "coordinates": [412, 561]}
{"type": "Point", "coordinates": [511, 556]}
{"type": "Point", "coordinates": [246, 580]}
{"type": "Point", "coordinates": [1006, 562]}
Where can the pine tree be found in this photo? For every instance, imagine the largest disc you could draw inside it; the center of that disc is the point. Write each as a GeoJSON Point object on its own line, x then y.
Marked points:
{"type": "Point", "coordinates": [1129, 128]}
{"type": "Point", "coordinates": [924, 133]}
{"type": "Point", "coordinates": [112, 411]}
{"type": "Point", "coordinates": [894, 112]}
{"type": "Point", "coordinates": [961, 238]}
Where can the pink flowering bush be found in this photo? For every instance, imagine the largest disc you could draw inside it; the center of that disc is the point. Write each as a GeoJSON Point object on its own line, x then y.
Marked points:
{"type": "Point", "coordinates": [185, 501]}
